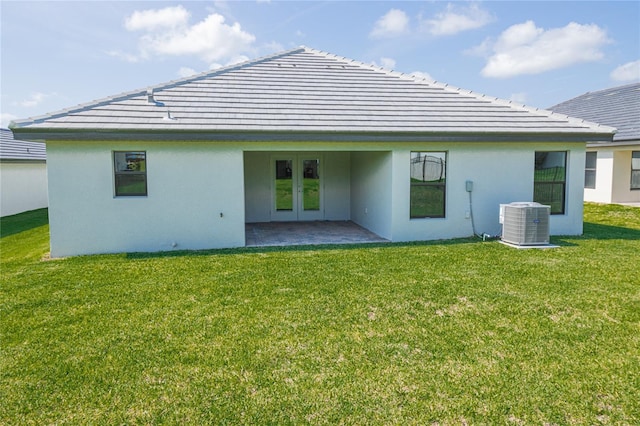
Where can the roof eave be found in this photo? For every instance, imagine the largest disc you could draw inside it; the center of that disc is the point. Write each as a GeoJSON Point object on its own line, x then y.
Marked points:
{"type": "Point", "coordinates": [48, 135]}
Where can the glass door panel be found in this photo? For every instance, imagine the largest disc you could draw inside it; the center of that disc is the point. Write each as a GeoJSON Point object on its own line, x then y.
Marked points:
{"type": "Point", "coordinates": [310, 185]}
{"type": "Point", "coordinates": [296, 188]}
{"type": "Point", "coordinates": [284, 185]}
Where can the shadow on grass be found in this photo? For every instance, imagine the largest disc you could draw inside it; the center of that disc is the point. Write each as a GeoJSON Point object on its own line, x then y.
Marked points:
{"type": "Point", "coordinates": [14, 224]}
{"type": "Point", "coordinates": [298, 248]}
{"type": "Point", "coordinates": [597, 231]}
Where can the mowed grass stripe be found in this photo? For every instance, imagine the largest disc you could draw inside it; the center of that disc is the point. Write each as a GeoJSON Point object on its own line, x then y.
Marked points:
{"type": "Point", "coordinates": [442, 332]}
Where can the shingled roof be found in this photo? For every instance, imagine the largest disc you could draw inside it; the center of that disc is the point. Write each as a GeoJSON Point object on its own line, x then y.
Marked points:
{"type": "Point", "coordinates": [618, 107]}
{"type": "Point", "coordinates": [302, 92]}
{"type": "Point", "coordinates": [17, 150]}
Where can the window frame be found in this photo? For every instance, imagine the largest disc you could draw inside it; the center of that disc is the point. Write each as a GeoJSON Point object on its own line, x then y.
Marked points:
{"type": "Point", "coordinates": [117, 190]}
{"type": "Point", "coordinates": [634, 154]}
{"type": "Point", "coordinates": [537, 185]}
{"type": "Point", "coordinates": [440, 184]}
{"type": "Point", "coordinates": [590, 171]}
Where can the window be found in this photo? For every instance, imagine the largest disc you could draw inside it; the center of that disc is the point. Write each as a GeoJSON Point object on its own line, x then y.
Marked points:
{"type": "Point", "coordinates": [130, 173]}
{"type": "Point", "coordinates": [428, 184]}
{"type": "Point", "coordinates": [549, 180]}
{"type": "Point", "coordinates": [590, 170]}
{"type": "Point", "coordinates": [635, 170]}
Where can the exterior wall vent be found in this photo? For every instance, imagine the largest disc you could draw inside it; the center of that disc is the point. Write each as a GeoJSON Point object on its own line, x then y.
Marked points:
{"type": "Point", "coordinates": [525, 223]}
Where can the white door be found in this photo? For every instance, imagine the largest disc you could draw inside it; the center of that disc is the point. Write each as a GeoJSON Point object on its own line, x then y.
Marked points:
{"type": "Point", "coordinates": [296, 187]}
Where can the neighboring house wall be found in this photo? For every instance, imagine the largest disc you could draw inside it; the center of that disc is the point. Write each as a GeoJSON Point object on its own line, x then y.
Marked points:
{"type": "Point", "coordinates": [617, 107]}
{"type": "Point", "coordinates": [622, 192]}
{"type": "Point", "coordinates": [190, 184]}
{"type": "Point", "coordinates": [604, 179]}
{"type": "Point", "coordinates": [613, 176]}
{"type": "Point", "coordinates": [23, 186]}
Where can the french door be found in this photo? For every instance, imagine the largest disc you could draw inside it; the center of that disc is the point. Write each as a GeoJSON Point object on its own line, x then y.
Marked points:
{"type": "Point", "coordinates": [296, 187]}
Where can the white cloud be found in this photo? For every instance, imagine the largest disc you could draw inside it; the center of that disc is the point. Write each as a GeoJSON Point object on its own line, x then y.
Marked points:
{"type": "Point", "coordinates": [519, 97]}
{"type": "Point", "coordinates": [168, 32]}
{"type": "Point", "coordinates": [154, 19]}
{"type": "Point", "coordinates": [527, 49]}
{"type": "Point", "coordinates": [422, 75]}
{"type": "Point", "coordinates": [6, 118]}
{"type": "Point", "coordinates": [235, 60]}
{"type": "Point", "coordinates": [395, 22]}
{"type": "Point", "coordinates": [627, 72]}
{"type": "Point", "coordinates": [186, 72]}
{"type": "Point", "coordinates": [456, 19]}
{"type": "Point", "coordinates": [386, 63]}
{"type": "Point", "coordinates": [34, 100]}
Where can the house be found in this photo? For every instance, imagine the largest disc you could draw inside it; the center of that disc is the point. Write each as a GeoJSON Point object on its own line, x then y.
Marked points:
{"type": "Point", "coordinates": [23, 175]}
{"type": "Point", "coordinates": [301, 135]}
{"type": "Point", "coordinates": [612, 172]}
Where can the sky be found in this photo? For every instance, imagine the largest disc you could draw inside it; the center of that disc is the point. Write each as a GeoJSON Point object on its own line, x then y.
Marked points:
{"type": "Point", "coordinates": [58, 54]}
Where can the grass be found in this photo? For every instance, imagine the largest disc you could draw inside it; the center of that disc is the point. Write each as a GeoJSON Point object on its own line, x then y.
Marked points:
{"type": "Point", "coordinates": [453, 332]}
{"type": "Point", "coordinates": [310, 194]}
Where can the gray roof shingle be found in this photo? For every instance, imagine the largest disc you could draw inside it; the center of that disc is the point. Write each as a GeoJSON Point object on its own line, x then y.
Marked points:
{"type": "Point", "coordinates": [617, 107]}
{"type": "Point", "coordinates": [305, 90]}
{"type": "Point", "coordinates": [12, 149]}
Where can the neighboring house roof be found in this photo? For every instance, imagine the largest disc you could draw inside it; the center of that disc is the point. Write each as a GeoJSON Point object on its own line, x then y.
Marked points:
{"type": "Point", "coordinates": [618, 107]}
{"type": "Point", "coordinates": [299, 93]}
{"type": "Point", "coordinates": [17, 150]}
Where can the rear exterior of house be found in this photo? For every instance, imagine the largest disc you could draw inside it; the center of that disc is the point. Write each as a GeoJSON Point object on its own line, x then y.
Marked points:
{"type": "Point", "coordinates": [298, 136]}
{"type": "Point", "coordinates": [23, 175]}
{"type": "Point", "coordinates": [612, 168]}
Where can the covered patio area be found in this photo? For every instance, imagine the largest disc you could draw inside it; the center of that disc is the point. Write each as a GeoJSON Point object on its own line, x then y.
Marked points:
{"type": "Point", "coordinates": [308, 233]}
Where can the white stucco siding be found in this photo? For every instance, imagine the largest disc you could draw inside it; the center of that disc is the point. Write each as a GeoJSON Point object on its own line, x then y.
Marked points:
{"type": "Point", "coordinates": [622, 192]}
{"type": "Point", "coordinates": [501, 173]}
{"type": "Point", "coordinates": [337, 188]}
{"type": "Point", "coordinates": [23, 186]}
{"type": "Point", "coordinates": [258, 173]}
{"type": "Point", "coordinates": [372, 203]}
{"type": "Point", "coordinates": [604, 179]}
{"type": "Point", "coordinates": [613, 177]}
{"type": "Point", "coordinates": [194, 198]}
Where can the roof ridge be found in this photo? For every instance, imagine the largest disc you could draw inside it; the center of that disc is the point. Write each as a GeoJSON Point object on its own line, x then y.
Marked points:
{"type": "Point", "coordinates": [461, 91]}
{"type": "Point", "coordinates": [221, 70]}
{"type": "Point", "coordinates": [395, 79]}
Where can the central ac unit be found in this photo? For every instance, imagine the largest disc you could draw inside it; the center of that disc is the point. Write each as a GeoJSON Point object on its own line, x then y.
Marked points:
{"type": "Point", "coordinates": [525, 223]}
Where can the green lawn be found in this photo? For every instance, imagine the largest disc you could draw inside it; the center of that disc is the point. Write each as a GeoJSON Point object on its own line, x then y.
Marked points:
{"type": "Point", "coordinates": [456, 332]}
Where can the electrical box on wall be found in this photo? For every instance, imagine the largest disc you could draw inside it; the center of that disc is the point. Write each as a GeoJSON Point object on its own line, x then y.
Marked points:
{"type": "Point", "coordinates": [469, 185]}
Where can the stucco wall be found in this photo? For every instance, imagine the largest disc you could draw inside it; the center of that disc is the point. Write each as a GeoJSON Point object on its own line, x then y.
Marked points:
{"type": "Point", "coordinates": [371, 186]}
{"type": "Point", "coordinates": [622, 192]}
{"type": "Point", "coordinates": [604, 179]}
{"type": "Point", "coordinates": [613, 177]}
{"type": "Point", "coordinates": [191, 183]}
{"type": "Point", "coordinates": [194, 198]}
{"type": "Point", "coordinates": [23, 187]}
{"type": "Point", "coordinates": [501, 173]}
{"type": "Point", "coordinates": [335, 179]}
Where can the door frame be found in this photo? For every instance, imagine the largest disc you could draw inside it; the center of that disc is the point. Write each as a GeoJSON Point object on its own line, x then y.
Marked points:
{"type": "Point", "coordinates": [297, 214]}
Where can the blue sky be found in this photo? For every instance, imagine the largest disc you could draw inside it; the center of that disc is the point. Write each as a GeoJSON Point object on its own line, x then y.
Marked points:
{"type": "Point", "coordinates": [57, 54]}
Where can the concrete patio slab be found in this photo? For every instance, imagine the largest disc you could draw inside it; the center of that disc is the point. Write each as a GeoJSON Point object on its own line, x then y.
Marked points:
{"type": "Point", "coordinates": [308, 233]}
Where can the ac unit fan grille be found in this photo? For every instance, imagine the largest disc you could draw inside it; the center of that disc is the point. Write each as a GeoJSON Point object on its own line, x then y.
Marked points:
{"type": "Point", "coordinates": [526, 224]}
